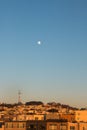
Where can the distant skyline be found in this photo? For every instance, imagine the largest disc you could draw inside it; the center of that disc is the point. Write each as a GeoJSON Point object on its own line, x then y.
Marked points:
{"type": "Point", "coordinates": [56, 69]}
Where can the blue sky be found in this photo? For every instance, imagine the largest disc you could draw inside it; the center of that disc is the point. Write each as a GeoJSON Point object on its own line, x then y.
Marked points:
{"type": "Point", "coordinates": [56, 70]}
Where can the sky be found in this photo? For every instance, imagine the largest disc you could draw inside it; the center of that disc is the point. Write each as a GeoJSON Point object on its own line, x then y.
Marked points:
{"type": "Point", "coordinates": [56, 69]}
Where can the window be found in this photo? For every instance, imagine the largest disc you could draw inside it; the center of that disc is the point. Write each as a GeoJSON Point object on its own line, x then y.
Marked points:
{"type": "Point", "coordinates": [78, 113]}
{"type": "Point", "coordinates": [36, 118]}
{"type": "Point", "coordinates": [63, 126]}
{"type": "Point", "coordinates": [20, 125]}
{"type": "Point", "coordinates": [77, 118]}
{"type": "Point", "coordinates": [72, 127]}
{"type": "Point", "coordinates": [0, 125]}
{"type": "Point", "coordinates": [84, 128]}
{"type": "Point", "coordinates": [6, 125]}
{"type": "Point", "coordinates": [17, 125]}
{"type": "Point", "coordinates": [10, 125]}
{"type": "Point", "coordinates": [53, 127]}
{"type": "Point", "coordinates": [32, 126]}
{"type": "Point", "coordinates": [42, 127]}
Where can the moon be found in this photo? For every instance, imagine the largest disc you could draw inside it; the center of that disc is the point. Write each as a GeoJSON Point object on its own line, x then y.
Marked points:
{"type": "Point", "coordinates": [39, 42]}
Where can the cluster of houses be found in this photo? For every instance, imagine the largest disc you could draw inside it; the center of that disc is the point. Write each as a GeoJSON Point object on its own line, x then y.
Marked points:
{"type": "Point", "coordinates": [42, 117]}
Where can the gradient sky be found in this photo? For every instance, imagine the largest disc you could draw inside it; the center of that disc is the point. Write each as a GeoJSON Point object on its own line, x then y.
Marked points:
{"type": "Point", "coordinates": [56, 70]}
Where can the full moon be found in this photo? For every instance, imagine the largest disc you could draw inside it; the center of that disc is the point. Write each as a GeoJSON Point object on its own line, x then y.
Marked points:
{"type": "Point", "coordinates": [39, 42]}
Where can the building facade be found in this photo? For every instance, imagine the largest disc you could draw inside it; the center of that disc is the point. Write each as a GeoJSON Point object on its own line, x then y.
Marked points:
{"type": "Point", "coordinates": [15, 125]}
{"type": "Point", "coordinates": [81, 115]}
{"type": "Point", "coordinates": [44, 125]}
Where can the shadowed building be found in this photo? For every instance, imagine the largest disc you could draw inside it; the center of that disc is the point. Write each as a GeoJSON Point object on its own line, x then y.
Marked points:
{"type": "Point", "coordinates": [36, 125]}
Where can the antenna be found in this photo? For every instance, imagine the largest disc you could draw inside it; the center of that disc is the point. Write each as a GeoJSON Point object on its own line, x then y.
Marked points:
{"type": "Point", "coordinates": [19, 97]}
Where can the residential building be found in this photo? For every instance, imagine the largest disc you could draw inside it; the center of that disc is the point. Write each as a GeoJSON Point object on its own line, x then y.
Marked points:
{"type": "Point", "coordinates": [82, 126]}
{"type": "Point", "coordinates": [68, 117]}
{"type": "Point", "coordinates": [81, 115]}
{"type": "Point", "coordinates": [15, 125]}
